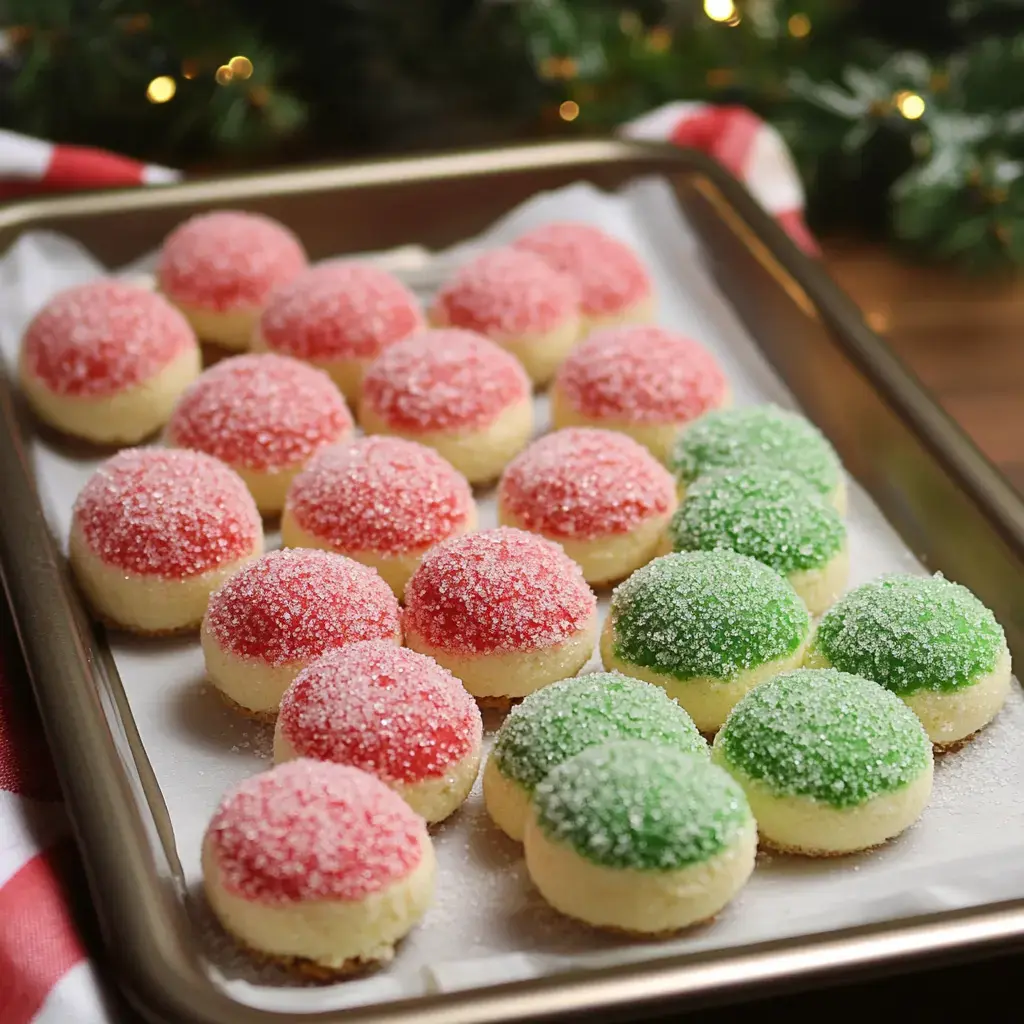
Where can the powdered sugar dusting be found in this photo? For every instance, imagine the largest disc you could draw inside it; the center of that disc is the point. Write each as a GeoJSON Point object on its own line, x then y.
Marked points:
{"type": "Point", "coordinates": [610, 276]}
{"type": "Point", "coordinates": [444, 380]}
{"type": "Point", "coordinates": [380, 494]}
{"type": "Point", "coordinates": [103, 337]}
{"type": "Point", "coordinates": [261, 412]}
{"type": "Point", "coordinates": [497, 591]}
{"type": "Point", "coordinates": [508, 294]}
{"type": "Point", "coordinates": [338, 311]}
{"type": "Point", "coordinates": [641, 375]}
{"type": "Point", "coordinates": [171, 514]}
{"type": "Point", "coordinates": [584, 483]}
{"type": "Point", "coordinates": [293, 605]}
{"type": "Point", "coordinates": [311, 830]}
{"type": "Point", "coordinates": [228, 260]}
{"type": "Point", "coordinates": [388, 710]}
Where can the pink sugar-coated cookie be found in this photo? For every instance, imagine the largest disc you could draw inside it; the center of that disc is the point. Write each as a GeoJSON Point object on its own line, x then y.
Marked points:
{"type": "Point", "coordinates": [264, 415]}
{"type": "Point", "coordinates": [391, 712]}
{"type": "Point", "coordinates": [339, 316]}
{"type": "Point", "coordinates": [647, 382]}
{"type": "Point", "coordinates": [318, 865]}
{"type": "Point", "coordinates": [279, 613]}
{"type": "Point", "coordinates": [515, 299]}
{"type": "Point", "coordinates": [106, 361]}
{"type": "Point", "coordinates": [219, 269]}
{"type": "Point", "coordinates": [505, 611]}
{"type": "Point", "coordinates": [456, 392]}
{"type": "Point", "coordinates": [598, 493]}
{"type": "Point", "coordinates": [154, 532]}
{"type": "Point", "coordinates": [383, 501]}
{"type": "Point", "coordinates": [615, 287]}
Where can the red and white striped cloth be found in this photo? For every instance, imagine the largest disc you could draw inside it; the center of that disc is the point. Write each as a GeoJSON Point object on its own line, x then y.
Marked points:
{"type": "Point", "coordinates": [45, 977]}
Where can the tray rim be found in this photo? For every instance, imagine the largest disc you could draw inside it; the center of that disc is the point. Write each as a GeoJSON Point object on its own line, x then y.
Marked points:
{"type": "Point", "coordinates": [57, 639]}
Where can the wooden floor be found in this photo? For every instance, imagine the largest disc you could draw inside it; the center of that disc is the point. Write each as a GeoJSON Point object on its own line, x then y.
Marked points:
{"type": "Point", "coordinates": [964, 337]}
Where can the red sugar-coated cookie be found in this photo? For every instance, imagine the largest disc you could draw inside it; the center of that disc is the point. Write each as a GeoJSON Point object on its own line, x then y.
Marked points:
{"type": "Point", "coordinates": [227, 260]}
{"type": "Point", "coordinates": [313, 830]}
{"type": "Point", "coordinates": [610, 276]}
{"type": "Point", "coordinates": [641, 375]}
{"type": "Point", "coordinates": [507, 294]}
{"type": "Point", "coordinates": [291, 606]}
{"type": "Point", "coordinates": [441, 381]}
{"type": "Point", "coordinates": [101, 338]}
{"type": "Point", "coordinates": [388, 710]}
{"type": "Point", "coordinates": [380, 494]}
{"type": "Point", "coordinates": [583, 483]}
{"type": "Point", "coordinates": [497, 591]}
{"type": "Point", "coordinates": [339, 311]}
{"type": "Point", "coordinates": [260, 412]}
{"type": "Point", "coordinates": [167, 513]}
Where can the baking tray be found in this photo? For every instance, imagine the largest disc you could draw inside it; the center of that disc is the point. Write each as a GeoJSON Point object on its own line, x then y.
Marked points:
{"type": "Point", "coordinates": [954, 511]}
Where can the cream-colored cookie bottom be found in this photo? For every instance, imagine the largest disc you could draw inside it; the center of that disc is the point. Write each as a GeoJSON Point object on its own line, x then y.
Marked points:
{"type": "Point", "coordinates": [658, 438]}
{"type": "Point", "coordinates": [146, 604]}
{"type": "Point", "coordinates": [231, 329]}
{"type": "Point", "coordinates": [507, 802]}
{"type": "Point", "coordinates": [347, 374]}
{"type": "Point", "coordinates": [433, 799]}
{"type": "Point", "coordinates": [949, 716]}
{"type": "Point", "coordinates": [642, 311]}
{"type": "Point", "coordinates": [251, 683]}
{"type": "Point", "coordinates": [607, 558]}
{"type": "Point", "coordinates": [800, 824]}
{"type": "Point", "coordinates": [627, 899]}
{"type": "Point", "coordinates": [708, 701]}
{"type": "Point", "coordinates": [126, 417]}
{"type": "Point", "coordinates": [395, 570]}
{"type": "Point", "coordinates": [479, 455]}
{"type": "Point", "coordinates": [328, 932]}
{"type": "Point", "coordinates": [515, 674]}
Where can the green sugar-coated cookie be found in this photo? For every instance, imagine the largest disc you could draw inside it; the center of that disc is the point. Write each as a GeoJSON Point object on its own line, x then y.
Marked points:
{"type": "Point", "coordinates": [706, 613]}
{"type": "Point", "coordinates": [911, 633]}
{"type": "Point", "coordinates": [556, 723]}
{"type": "Point", "coordinates": [756, 435]}
{"type": "Point", "coordinates": [823, 734]}
{"type": "Point", "coordinates": [769, 514]}
{"type": "Point", "coordinates": [636, 805]}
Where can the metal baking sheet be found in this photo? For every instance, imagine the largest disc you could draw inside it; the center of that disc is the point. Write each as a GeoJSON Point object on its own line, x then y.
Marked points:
{"type": "Point", "coordinates": [488, 927]}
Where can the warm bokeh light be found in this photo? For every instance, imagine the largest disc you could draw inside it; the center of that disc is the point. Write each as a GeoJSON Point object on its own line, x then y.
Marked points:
{"type": "Point", "coordinates": [910, 105]}
{"type": "Point", "coordinates": [659, 39]}
{"type": "Point", "coordinates": [799, 26]}
{"type": "Point", "coordinates": [720, 10]}
{"type": "Point", "coordinates": [569, 110]}
{"type": "Point", "coordinates": [189, 69]}
{"type": "Point", "coordinates": [161, 89]}
{"type": "Point", "coordinates": [241, 67]}
{"type": "Point", "coordinates": [223, 75]}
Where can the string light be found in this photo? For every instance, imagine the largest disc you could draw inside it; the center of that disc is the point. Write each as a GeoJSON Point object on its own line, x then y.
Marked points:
{"type": "Point", "coordinates": [734, 20]}
{"type": "Point", "coordinates": [799, 26]}
{"type": "Point", "coordinates": [720, 10]}
{"type": "Point", "coordinates": [223, 75]}
{"type": "Point", "coordinates": [910, 105]}
{"type": "Point", "coordinates": [241, 67]}
{"type": "Point", "coordinates": [161, 89]}
{"type": "Point", "coordinates": [569, 110]}
{"type": "Point", "coordinates": [189, 69]}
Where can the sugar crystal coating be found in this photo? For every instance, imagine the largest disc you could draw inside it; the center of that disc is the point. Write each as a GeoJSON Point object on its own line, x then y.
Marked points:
{"type": "Point", "coordinates": [585, 483]}
{"type": "Point", "coordinates": [912, 633]}
{"type": "Point", "coordinates": [165, 513]}
{"type": "Point", "coordinates": [445, 380]}
{"type": "Point", "coordinates": [339, 310]}
{"type": "Point", "coordinates": [641, 375]}
{"type": "Point", "coordinates": [767, 513]}
{"type": "Point", "coordinates": [826, 735]}
{"type": "Point", "coordinates": [385, 709]}
{"type": "Point", "coordinates": [610, 276]}
{"type": "Point", "coordinates": [508, 294]}
{"type": "Point", "coordinates": [497, 591]}
{"type": "Point", "coordinates": [637, 805]}
{"type": "Point", "coordinates": [227, 260]}
{"type": "Point", "coordinates": [380, 494]}
{"type": "Point", "coordinates": [294, 605]}
{"type": "Point", "coordinates": [312, 830]}
{"type": "Point", "coordinates": [260, 412]}
{"type": "Point", "coordinates": [757, 435]}
{"type": "Point", "coordinates": [101, 338]}
{"type": "Point", "coordinates": [556, 723]}
{"type": "Point", "coordinates": [706, 613]}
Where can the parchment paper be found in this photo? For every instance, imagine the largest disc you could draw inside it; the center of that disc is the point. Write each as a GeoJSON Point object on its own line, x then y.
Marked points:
{"type": "Point", "coordinates": [488, 925]}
